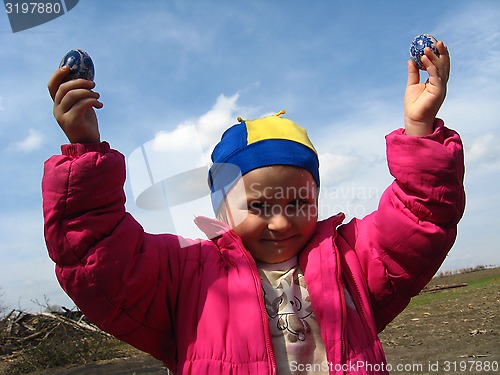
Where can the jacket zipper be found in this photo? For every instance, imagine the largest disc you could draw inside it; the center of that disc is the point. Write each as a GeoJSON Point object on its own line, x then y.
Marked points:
{"type": "Point", "coordinates": [359, 298]}
{"type": "Point", "coordinates": [358, 295]}
{"type": "Point", "coordinates": [267, 331]}
{"type": "Point", "coordinates": [265, 323]}
{"type": "Point", "coordinates": [343, 354]}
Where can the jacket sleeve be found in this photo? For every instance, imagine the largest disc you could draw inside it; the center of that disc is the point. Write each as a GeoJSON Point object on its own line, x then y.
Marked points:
{"type": "Point", "coordinates": [403, 243]}
{"type": "Point", "coordinates": [104, 260]}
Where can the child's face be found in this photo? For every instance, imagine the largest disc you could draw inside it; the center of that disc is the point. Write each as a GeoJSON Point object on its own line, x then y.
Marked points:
{"type": "Point", "coordinates": [274, 211]}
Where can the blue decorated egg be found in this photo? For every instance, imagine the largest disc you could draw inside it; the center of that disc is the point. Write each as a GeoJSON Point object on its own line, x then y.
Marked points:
{"type": "Point", "coordinates": [417, 48]}
{"type": "Point", "coordinates": [80, 63]}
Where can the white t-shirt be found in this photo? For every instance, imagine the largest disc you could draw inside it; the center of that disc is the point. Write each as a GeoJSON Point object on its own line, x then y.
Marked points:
{"type": "Point", "coordinates": [297, 342]}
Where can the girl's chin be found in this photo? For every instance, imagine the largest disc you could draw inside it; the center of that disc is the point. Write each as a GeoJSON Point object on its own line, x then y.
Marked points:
{"type": "Point", "coordinates": [276, 255]}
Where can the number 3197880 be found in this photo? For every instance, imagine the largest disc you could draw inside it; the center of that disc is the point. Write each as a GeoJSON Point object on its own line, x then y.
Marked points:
{"type": "Point", "coordinates": [32, 8]}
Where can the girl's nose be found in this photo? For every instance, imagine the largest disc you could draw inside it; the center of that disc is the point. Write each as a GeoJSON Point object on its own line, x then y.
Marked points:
{"type": "Point", "coordinates": [279, 223]}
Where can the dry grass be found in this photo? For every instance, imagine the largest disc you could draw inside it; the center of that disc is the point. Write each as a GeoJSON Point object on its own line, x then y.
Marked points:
{"type": "Point", "coordinates": [36, 342]}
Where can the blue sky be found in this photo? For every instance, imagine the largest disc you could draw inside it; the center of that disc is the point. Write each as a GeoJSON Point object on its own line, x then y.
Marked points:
{"type": "Point", "coordinates": [337, 67]}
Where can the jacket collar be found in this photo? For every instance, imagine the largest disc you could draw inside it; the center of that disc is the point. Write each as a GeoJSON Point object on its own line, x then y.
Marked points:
{"type": "Point", "coordinates": [211, 227]}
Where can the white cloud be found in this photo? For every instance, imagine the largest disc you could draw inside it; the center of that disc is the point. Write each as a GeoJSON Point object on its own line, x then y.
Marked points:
{"type": "Point", "coordinates": [2, 108]}
{"type": "Point", "coordinates": [484, 149]}
{"type": "Point", "coordinates": [482, 158]}
{"type": "Point", "coordinates": [193, 140]}
{"type": "Point", "coordinates": [209, 126]}
{"type": "Point", "coordinates": [212, 124]}
{"type": "Point", "coordinates": [175, 141]}
{"type": "Point", "coordinates": [335, 169]}
{"type": "Point", "coordinates": [32, 142]}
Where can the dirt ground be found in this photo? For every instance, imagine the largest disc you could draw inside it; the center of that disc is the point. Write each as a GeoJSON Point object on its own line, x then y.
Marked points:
{"type": "Point", "coordinates": [450, 331]}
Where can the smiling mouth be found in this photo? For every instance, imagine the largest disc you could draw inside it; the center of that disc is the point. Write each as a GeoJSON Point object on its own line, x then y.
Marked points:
{"type": "Point", "coordinates": [278, 240]}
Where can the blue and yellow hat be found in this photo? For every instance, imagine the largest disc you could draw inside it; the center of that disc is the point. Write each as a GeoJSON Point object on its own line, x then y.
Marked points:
{"type": "Point", "coordinates": [253, 144]}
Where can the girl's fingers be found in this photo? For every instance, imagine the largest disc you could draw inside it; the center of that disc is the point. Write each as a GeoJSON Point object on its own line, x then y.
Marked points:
{"type": "Point", "coordinates": [56, 80]}
{"type": "Point", "coordinates": [429, 64]}
{"type": "Point", "coordinates": [444, 59]}
{"type": "Point", "coordinates": [431, 57]}
{"type": "Point", "coordinates": [70, 86]}
{"type": "Point", "coordinates": [442, 49]}
{"type": "Point", "coordinates": [441, 62]}
{"type": "Point", "coordinates": [413, 74]}
{"type": "Point", "coordinates": [79, 108]}
{"type": "Point", "coordinates": [75, 96]}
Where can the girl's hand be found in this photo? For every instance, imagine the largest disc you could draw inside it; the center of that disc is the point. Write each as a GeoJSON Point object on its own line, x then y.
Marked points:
{"type": "Point", "coordinates": [74, 103]}
{"type": "Point", "coordinates": [423, 100]}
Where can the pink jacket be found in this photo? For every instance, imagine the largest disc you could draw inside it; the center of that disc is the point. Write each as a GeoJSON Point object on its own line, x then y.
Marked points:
{"type": "Point", "coordinates": [200, 309]}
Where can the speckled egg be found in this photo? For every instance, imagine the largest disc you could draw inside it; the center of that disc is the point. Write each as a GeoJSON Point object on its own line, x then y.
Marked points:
{"type": "Point", "coordinates": [417, 48]}
{"type": "Point", "coordinates": [80, 63]}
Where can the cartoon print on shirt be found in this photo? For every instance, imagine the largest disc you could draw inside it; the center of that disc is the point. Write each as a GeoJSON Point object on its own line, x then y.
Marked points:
{"type": "Point", "coordinates": [288, 311]}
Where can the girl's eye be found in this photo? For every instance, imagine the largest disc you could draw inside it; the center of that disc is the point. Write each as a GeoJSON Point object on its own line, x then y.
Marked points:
{"type": "Point", "coordinates": [258, 207]}
{"type": "Point", "coordinates": [298, 202]}
{"type": "Point", "coordinates": [254, 205]}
